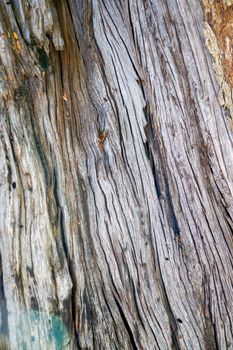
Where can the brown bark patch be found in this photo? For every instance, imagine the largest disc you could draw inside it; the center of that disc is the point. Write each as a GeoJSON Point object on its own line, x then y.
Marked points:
{"type": "Point", "coordinates": [219, 16]}
{"type": "Point", "coordinates": [101, 139]}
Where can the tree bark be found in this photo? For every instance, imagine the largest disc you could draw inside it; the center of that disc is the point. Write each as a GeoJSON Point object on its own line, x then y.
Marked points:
{"type": "Point", "coordinates": [116, 174]}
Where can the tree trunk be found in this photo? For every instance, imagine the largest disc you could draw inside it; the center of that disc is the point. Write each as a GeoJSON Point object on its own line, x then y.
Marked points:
{"type": "Point", "coordinates": [116, 174]}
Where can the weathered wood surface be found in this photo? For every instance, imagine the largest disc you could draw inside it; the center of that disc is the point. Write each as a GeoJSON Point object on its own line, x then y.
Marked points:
{"type": "Point", "coordinates": [115, 176]}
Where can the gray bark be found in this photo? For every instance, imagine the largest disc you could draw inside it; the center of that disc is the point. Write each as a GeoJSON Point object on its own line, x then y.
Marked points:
{"type": "Point", "coordinates": [115, 177]}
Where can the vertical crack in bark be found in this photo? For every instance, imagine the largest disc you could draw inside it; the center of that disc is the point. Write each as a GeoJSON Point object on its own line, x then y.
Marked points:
{"type": "Point", "coordinates": [161, 180]}
{"type": "Point", "coordinates": [210, 336]}
{"type": "Point", "coordinates": [172, 321]}
{"type": "Point", "coordinates": [127, 326]}
{"type": "Point", "coordinates": [72, 320]}
{"type": "Point", "coordinates": [4, 331]}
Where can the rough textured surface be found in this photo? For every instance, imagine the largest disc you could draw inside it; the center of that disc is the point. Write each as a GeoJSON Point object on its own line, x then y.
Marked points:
{"type": "Point", "coordinates": [115, 177]}
{"type": "Point", "coordinates": [219, 40]}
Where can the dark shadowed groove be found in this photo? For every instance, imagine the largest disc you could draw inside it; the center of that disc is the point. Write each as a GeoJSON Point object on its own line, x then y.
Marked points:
{"type": "Point", "coordinates": [68, 260]}
{"type": "Point", "coordinates": [148, 148]}
{"type": "Point", "coordinates": [127, 326]}
{"type": "Point", "coordinates": [4, 330]}
{"type": "Point", "coordinates": [167, 306]}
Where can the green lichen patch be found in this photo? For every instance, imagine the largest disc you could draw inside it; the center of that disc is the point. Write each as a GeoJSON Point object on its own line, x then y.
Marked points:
{"type": "Point", "coordinates": [44, 328]}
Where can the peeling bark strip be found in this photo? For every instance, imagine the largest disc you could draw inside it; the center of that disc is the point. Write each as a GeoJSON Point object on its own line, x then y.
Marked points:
{"type": "Point", "coordinates": [115, 175]}
{"type": "Point", "coordinates": [219, 39]}
{"type": "Point", "coordinates": [219, 16]}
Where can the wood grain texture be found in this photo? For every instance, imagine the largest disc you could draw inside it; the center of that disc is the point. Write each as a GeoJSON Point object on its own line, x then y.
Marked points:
{"type": "Point", "coordinates": [115, 178]}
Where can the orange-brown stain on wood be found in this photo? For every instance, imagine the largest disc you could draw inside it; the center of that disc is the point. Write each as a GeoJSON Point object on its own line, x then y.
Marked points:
{"type": "Point", "coordinates": [219, 16]}
{"type": "Point", "coordinates": [14, 40]}
{"type": "Point", "coordinates": [101, 139]}
{"type": "Point", "coordinates": [65, 98]}
{"type": "Point", "coordinates": [15, 35]}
